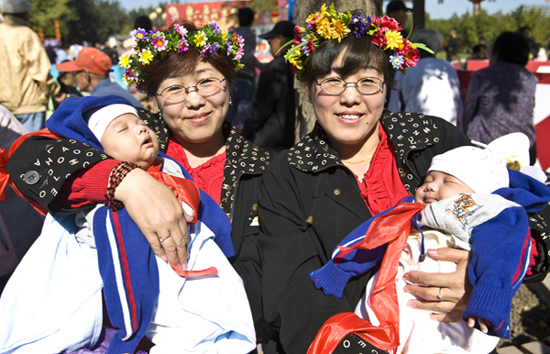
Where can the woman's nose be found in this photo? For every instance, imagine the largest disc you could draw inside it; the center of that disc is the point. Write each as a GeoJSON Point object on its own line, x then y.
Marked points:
{"type": "Point", "coordinates": [350, 95]}
{"type": "Point", "coordinates": [194, 99]}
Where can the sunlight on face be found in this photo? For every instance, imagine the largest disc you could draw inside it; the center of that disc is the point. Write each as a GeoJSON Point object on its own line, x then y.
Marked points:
{"type": "Point", "coordinates": [128, 138]}
{"type": "Point", "coordinates": [439, 185]}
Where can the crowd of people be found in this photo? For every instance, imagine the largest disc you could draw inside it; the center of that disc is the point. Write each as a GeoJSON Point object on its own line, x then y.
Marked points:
{"type": "Point", "coordinates": [169, 230]}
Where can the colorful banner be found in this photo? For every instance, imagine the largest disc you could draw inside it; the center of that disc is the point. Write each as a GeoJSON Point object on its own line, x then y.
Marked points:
{"type": "Point", "coordinates": [223, 12]}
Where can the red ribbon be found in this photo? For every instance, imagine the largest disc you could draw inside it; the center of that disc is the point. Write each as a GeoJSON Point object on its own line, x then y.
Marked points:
{"type": "Point", "coordinates": [392, 228]}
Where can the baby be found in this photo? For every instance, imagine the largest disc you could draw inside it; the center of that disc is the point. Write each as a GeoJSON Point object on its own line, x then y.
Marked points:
{"type": "Point", "coordinates": [201, 309]}
{"type": "Point", "coordinates": [465, 202]}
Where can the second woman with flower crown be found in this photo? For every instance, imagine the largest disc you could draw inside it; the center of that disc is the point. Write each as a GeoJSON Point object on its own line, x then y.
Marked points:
{"type": "Point", "coordinates": [189, 71]}
{"type": "Point", "coordinates": [359, 160]}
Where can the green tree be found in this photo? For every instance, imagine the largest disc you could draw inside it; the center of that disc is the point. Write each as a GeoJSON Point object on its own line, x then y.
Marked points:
{"type": "Point", "coordinates": [45, 11]}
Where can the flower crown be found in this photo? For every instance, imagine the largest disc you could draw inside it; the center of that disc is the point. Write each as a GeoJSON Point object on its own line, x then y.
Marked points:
{"type": "Point", "coordinates": [384, 33]}
{"type": "Point", "coordinates": [208, 40]}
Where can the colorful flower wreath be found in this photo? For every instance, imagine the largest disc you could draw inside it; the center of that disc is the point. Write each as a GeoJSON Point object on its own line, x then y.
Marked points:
{"type": "Point", "coordinates": [208, 40]}
{"type": "Point", "coordinates": [384, 32]}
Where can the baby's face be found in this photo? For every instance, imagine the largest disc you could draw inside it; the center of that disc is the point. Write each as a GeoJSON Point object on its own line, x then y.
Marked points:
{"type": "Point", "coordinates": [439, 185]}
{"type": "Point", "coordinates": [128, 138]}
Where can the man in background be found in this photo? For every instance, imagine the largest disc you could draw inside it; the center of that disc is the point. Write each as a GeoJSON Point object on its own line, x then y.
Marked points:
{"type": "Point", "coordinates": [246, 77]}
{"type": "Point", "coordinates": [452, 47]}
{"type": "Point", "coordinates": [91, 68]}
{"type": "Point", "coordinates": [271, 123]}
{"type": "Point", "coordinates": [398, 10]}
{"type": "Point", "coordinates": [25, 67]}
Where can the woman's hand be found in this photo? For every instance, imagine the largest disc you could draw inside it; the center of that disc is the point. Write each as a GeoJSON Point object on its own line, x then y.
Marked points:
{"type": "Point", "coordinates": [447, 294]}
{"type": "Point", "coordinates": [157, 213]}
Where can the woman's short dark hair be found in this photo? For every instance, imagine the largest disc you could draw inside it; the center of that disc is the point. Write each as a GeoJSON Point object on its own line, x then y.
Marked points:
{"type": "Point", "coordinates": [246, 16]}
{"type": "Point", "coordinates": [360, 53]}
{"type": "Point", "coordinates": [176, 64]}
{"type": "Point", "coordinates": [511, 47]}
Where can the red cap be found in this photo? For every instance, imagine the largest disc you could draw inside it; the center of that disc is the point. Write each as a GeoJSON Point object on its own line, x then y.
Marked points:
{"type": "Point", "coordinates": [90, 59]}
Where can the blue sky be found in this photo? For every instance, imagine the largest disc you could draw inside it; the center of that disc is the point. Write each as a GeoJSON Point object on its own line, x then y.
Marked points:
{"type": "Point", "coordinates": [435, 10]}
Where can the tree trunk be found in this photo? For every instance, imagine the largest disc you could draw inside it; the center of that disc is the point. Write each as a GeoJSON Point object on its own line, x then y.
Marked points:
{"type": "Point", "coordinates": [419, 15]}
{"type": "Point", "coordinates": [305, 118]}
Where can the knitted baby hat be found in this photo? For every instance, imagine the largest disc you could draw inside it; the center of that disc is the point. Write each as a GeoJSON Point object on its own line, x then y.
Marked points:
{"type": "Point", "coordinates": [484, 167]}
{"type": "Point", "coordinates": [100, 119]}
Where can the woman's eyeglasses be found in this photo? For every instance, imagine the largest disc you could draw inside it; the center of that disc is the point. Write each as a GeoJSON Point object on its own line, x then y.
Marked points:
{"type": "Point", "coordinates": [205, 87]}
{"type": "Point", "coordinates": [335, 86]}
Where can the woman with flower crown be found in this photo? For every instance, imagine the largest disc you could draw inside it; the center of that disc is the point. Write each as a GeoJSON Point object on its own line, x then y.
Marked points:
{"type": "Point", "coordinates": [359, 160]}
{"type": "Point", "coordinates": [189, 71]}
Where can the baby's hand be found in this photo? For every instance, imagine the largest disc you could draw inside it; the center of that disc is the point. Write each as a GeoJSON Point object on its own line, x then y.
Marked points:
{"type": "Point", "coordinates": [483, 323]}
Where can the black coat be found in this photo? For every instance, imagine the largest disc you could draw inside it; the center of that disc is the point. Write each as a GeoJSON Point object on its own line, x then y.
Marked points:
{"type": "Point", "coordinates": [309, 201]}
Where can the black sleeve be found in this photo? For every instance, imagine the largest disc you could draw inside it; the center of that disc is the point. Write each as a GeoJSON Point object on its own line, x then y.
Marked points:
{"type": "Point", "coordinates": [40, 166]}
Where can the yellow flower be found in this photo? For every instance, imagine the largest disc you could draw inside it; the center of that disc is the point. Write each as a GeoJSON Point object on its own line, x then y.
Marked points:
{"type": "Point", "coordinates": [324, 29]}
{"type": "Point", "coordinates": [200, 39]}
{"type": "Point", "coordinates": [393, 40]}
{"type": "Point", "coordinates": [339, 30]}
{"type": "Point", "coordinates": [146, 56]}
{"type": "Point", "coordinates": [318, 16]}
{"type": "Point", "coordinates": [239, 66]}
{"type": "Point", "coordinates": [414, 46]}
{"type": "Point", "coordinates": [124, 61]}
{"type": "Point", "coordinates": [224, 36]}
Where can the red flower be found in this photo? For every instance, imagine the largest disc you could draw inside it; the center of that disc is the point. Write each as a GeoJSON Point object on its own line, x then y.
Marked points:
{"type": "Point", "coordinates": [378, 38]}
{"type": "Point", "coordinates": [386, 23]}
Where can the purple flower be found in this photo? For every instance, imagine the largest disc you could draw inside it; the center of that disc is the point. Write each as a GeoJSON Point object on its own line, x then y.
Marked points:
{"type": "Point", "coordinates": [139, 34]}
{"type": "Point", "coordinates": [214, 48]}
{"type": "Point", "coordinates": [228, 44]}
{"type": "Point", "coordinates": [358, 25]}
{"type": "Point", "coordinates": [215, 27]}
{"type": "Point", "coordinates": [140, 86]}
{"type": "Point", "coordinates": [205, 50]}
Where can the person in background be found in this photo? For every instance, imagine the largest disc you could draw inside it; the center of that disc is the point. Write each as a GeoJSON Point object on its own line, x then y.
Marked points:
{"type": "Point", "coordinates": [91, 69]}
{"type": "Point", "coordinates": [25, 67]}
{"type": "Point", "coordinates": [398, 10]}
{"type": "Point", "coordinates": [109, 48]}
{"type": "Point", "coordinates": [525, 31]}
{"type": "Point", "coordinates": [501, 97]}
{"type": "Point", "coordinates": [432, 86]}
{"type": "Point", "coordinates": [61, 53]}
{"type": "Point", "coordinates": [246, 77]}
{"type": "Point", "coordinates": [52, 54]}
{"type": "Point", "coordinates": [452, 47]}
{"type": "Point", "coordinates": [271, 123]}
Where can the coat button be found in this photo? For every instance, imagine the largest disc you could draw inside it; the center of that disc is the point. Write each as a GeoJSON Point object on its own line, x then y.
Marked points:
{"type": "Point", "coordinates": [31, 177]}
{"type": "Point", "coordinates": [336, 191]}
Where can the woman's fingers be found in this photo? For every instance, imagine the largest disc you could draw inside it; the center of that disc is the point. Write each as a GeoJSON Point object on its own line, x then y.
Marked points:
{"type": "Point", "coordinates": [157, 213]}
{"type": "Point", "coordinates": [444, 293]}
